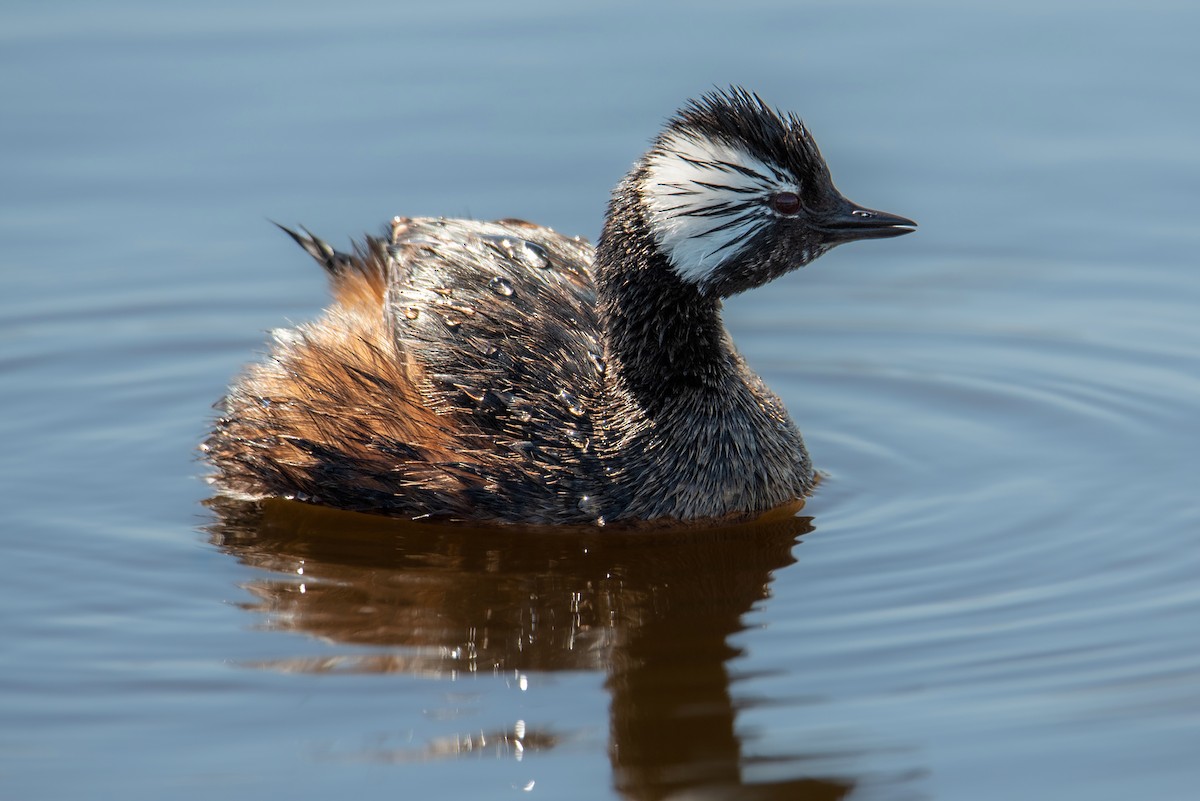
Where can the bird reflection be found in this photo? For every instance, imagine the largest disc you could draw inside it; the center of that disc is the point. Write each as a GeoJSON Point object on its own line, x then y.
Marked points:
{"type": "Point", "coordinates": [652, 609]}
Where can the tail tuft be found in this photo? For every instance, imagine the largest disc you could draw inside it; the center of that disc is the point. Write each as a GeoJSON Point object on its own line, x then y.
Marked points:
{"type": "Point", "coordinates": [334, 262]}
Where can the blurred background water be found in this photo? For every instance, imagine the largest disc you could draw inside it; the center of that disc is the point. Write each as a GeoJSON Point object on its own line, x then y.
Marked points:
{"type": "Point", "coordinates": [993, 595]}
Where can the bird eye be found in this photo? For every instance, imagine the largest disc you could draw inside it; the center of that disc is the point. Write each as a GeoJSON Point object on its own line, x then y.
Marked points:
{"type": "Point", "coordinates": [785, 202]}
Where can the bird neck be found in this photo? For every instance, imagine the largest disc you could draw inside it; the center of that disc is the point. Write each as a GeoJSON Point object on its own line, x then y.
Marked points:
{"type": "Point", "coordinates": [663, 337]}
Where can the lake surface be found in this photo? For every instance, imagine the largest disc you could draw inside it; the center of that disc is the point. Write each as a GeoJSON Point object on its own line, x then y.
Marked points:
{"type": "Point", "coordinates": [994, 594]}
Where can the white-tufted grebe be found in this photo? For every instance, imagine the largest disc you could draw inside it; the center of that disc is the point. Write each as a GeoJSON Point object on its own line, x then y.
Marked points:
{"type": "Point", "coordinates": [498, 371]}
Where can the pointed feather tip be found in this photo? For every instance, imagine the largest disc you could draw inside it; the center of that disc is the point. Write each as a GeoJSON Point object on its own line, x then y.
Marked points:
{"type": "Point", "coordinates": [299, 240]}
{"type": "Point", "coordinates": [321, 251]}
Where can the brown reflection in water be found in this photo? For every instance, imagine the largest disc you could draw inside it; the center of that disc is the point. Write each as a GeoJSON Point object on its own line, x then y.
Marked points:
{"type": "Point", "coordinates": [653, 609]}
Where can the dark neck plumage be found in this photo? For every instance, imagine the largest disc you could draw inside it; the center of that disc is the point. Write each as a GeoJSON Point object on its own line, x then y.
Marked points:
{"type": "Point", "coordinates": [664, 337]}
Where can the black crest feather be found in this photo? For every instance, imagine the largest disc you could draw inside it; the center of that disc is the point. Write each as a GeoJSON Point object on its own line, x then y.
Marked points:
{"type": "Point", "coordinates": [742, 118]}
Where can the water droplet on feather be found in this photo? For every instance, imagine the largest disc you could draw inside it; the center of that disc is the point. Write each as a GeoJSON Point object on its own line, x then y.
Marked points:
{"type": "Point", "coordinates": [588, 505]}
{"type": "Point", "coordinates": [500, 286]}
{"type": "Point", "coordinates": [534, 255]}
{"type": "Point", "coordinates": [571, 403]}
{"type": "Point", "coordinates": [522, 250]}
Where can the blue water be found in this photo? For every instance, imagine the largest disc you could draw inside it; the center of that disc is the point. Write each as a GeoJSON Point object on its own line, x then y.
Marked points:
{"type": "Point", "coordinates": [993, 594]}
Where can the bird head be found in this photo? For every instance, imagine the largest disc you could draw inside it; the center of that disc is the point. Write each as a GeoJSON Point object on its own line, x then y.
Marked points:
{"type": "Point", "coordinates": [736, 194]}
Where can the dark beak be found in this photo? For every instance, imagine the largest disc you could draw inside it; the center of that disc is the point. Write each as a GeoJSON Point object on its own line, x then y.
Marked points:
{"type": "Point", "coordinates": [850, 222]}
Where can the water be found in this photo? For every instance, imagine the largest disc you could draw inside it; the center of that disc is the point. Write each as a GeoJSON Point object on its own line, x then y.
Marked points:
{"type": "Point", "coordinates": [992, 595]}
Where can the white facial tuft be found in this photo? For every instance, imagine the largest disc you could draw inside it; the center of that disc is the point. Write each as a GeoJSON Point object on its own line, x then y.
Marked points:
{"type": "Point", "coordinates": [705, 199]}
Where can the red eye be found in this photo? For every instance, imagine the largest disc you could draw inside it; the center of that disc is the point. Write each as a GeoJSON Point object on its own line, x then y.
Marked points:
{"type": "Point", "coordinates": [785, 202]}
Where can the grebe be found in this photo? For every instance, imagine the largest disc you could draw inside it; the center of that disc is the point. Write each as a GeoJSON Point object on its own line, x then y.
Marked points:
{"type": "Point", "coordinates": [498, 371]}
